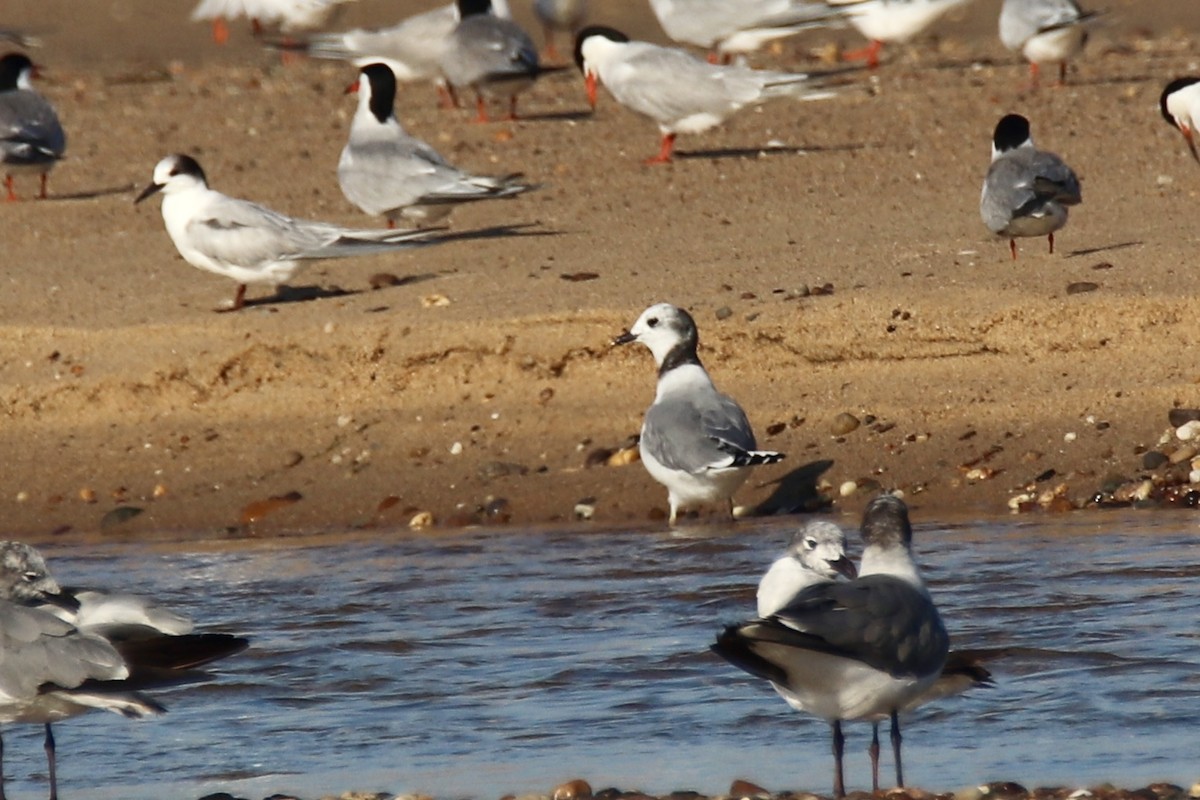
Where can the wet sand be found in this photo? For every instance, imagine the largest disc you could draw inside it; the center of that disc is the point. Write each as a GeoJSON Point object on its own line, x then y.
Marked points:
{"type": "Point", "coordinates": [831, 252]}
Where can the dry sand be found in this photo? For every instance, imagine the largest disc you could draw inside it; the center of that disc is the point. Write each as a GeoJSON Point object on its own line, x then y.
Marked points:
{"type": "Point", "coordinates": [120, 386]}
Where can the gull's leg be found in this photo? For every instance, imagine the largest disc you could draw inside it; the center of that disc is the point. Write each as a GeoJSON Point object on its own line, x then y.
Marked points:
{"type": "Point", "coordinates": [51, 762]}
{"type": "Point", "coordinates": [839, 744]}
{"type": "Point", "coordinates": [896, 739]}
{"type": "Point", "coordinates": [873, 751]}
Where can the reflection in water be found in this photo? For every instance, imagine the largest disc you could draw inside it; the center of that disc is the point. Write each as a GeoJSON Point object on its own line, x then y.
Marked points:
{"type": "Point", "coordinates": [479, 664]}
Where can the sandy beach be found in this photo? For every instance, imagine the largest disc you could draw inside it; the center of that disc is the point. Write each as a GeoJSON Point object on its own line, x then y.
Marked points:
{"type": "Point", "coordinates": [831, 252]}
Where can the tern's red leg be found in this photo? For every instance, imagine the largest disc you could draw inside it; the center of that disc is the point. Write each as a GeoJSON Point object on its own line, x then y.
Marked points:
{"type": "Point", "coordinates": [239, 299]}
{"type": "Point", "coordinates": [8, 184]}
{"type": "Point", "coordinates": [447, 97]}
{"type": "Point", "coordinates": [220, 30]}
{"type": "Point", "coordinates": [870, 54]}
{"type": "Point", "coordinates": [512, 108]}
{"type": "Point", "coordinates": [1052, 244]}
{"type": "Point", "coordinates": [256, 28]}
{"type": "Point", "coordinates": [551, 52]}
{"type": "Point", "coordinates": [664, 153]}
{"type": "Point", "coordinates": [43, 195]}
{"type": "Point", "coordinates": [481, 114]}
{"type": "Point", "coordinates": [1012, 245]}
{"type": "Point", "coordinates": [1033, 76]}
{"type": "Point", "coordinates": [1062, 73]}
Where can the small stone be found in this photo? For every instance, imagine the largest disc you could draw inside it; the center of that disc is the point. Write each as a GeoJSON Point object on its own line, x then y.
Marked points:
{"type": "Point", "coordinates": [420, 520]}
{"type": "Point", "coordinates": [744, 788]}
{"type": "Point", "coordinates": [255, 511]}
{"type": "Point", "coordinates": [435, 301]}
{"type": "Point", "coordinates": [498, 510]}
{"type": "Point", "coordinates": [1082, 287]}
{"type": "Point", "coordinates": [1188, 431]}
{"type": "Point", "coordinates": [844, 423]}
{"type": "Point", "coordinates": [1153, 459]}
{"type": "Point", "coordinates": [847, 488]}
{"type": "Point", "coordinates": [724, 312]}
{"type": "Point", "coordinates": [456, 449]}
{"type": "Point", "coordinates": [22, 497]}
{"type": "Point", "coordinates": [577, 789]}
{"type": "Point", "coordinates": [1181, 416]}
{"type": "Point", "coordinates": [381, 280]}
{"type": "Point", "coordinates": [624, 457]}
{"type": "Point", "coordinates": [118, 515]}
{"type": "Point", "coordinates": [1185, 453]}
{"type": "Point", "coordinates": [585, 509]}
{"type": "Point", "coordinates": [1070, 436]}
{"type": "Point", "coordinates": [87, 494]}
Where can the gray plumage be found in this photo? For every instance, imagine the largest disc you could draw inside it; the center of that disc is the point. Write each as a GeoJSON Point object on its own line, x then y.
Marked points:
{"type": "Point", "coordinates": [385, 171]}
{"type": "Point", "coordinates": [1026, 191]}
{"type": "Point", "coordinates": [695, 440]}
{"type": "Point", "coordinates": [863, 649]}
{"type": "Point", "coordinates": [31, 137]}
{"type": "Point", "coordinates": [726, 27]}
{"type": "Point", "coordinates": [495, 57]}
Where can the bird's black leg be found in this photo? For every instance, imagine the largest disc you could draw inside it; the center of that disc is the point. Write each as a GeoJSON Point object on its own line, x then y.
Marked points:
{"type": "Point", "coordinates": [873, 751]}
{"type": "Point", "coordinates": [51, 762]}
{"type": "Point", "coordinates": [896, 739]}
{"type": "Point", "coordinates": [839, 744]}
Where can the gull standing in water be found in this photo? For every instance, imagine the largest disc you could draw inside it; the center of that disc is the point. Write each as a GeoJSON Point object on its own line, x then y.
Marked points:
{"type": "Point", "coordinates": [1045, 32]}
{"type": "Point", "coordinates": [817, 555]}
{"type": "Point", "coordinates": [861, 649]}
{"type": "Point", "coordinates": [1026, 191]}
{"type": "Point", "coordinates": [67, 652]}
{"type": "Point", "coordinates": [695, 441]}
{"type": "Point", "coordinates": [890, 22]}
{"type": "Point", "coordinates": [385, 171]}
{"type": "Point", "coordinates": [248, 242]}
{"type": "Point", "coordinates": [31, 137]}
{"type": "Point", "coordinates": [680, 92]}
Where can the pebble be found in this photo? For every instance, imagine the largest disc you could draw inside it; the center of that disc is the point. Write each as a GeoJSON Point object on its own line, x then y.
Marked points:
{"type": "Point", "coordinates": [1153, 459]}
{"type": "Point", "coordinates": [421, 520]}
{"type": "Point", "coordinates": [585, 509]}
{"type": "Point", "coordinates": [1188, 431]}
{"type": "Point", "coordinates": [847, 488]}
{"type": "Point", "coordinates": [1178, 417]}
{"type": "Point", "coordinates": [577, 789]}
{"type": "Point", "coordinates": [1185, 453]}
{"type": "Point", "coordinates": [456, 449]}
{"type": "Point", "coordinates": [743, 788]}
{"type": "Point", "coordinates": [844, 423]}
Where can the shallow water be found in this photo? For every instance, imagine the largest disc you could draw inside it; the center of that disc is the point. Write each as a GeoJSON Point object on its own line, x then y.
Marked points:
{"type": "Point", "coordinates": [481, 663]}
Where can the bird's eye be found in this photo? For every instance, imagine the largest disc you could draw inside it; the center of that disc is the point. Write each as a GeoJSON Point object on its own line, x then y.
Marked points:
{"type": "Point", "coordinates": [810, 544]}
{"type": "Point", "coordinates": [652, 322]}
{"type": "Point", "coordinates": [32, 576]}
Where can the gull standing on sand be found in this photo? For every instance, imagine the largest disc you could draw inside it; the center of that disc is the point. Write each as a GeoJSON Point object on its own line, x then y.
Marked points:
{"type": "Point", "coordinates": [1044, 32]}
{"type": "Point", "coordinates": [31, 137]}
{"type": "Point", "coordinates": [248, 242]}
{"type": "Point", "coordinates": [1180, 106]}
{"type": "Point", "coordinates": [680, 92]}
{"type": "Point", "coordinates": [695, 441]}
{"type": "Point", "coordinates": [64, 653]}
{"type": "Point", "coordinates": [494, 57]}
{"type": "Point", "coordinates": [817, 555]}
{"type": "Point", "coordinates": [1026, 191]}
{"type": "Point", "coordinates": [890, 22]}
{"type": "Point", "coordinates": [385, 171]}
{"type": "Point", "coordinates": [412, 48]}
{"type": "Point", "coordinates": [559, 15]}
{"type": "Point", "coordinates": [726, 29]}
{"type": "Point", "coordinates": [861, 649]}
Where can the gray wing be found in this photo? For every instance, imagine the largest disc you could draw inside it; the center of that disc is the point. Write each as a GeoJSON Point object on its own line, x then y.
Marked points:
{"type": "Point", "coordinates": [38, 648]}
{"type": "Point", "coordinates": [704, 22]}
{"type": "Point", "coordinates": [30, 132]}
{"type": "Point", "coordinates": [697, 435]}
{"type": "Point", "coordinates": [1022, 182]}
{"type": "Point", "coordinates": [414, 46]}
{"type": "Point", "coordinates": [1020, 20]}
{"type": "Point", "coordinates": [878, 619]}
{"type": "Point", "coordinates": [485, 48]}
{"type": "Point", "coordinates": [668, 85]}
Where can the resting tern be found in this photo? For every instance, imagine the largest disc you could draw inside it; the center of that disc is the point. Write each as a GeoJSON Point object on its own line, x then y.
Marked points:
{"type": "Point", "coordinates": [558, 15]}
{"type": "Point", "coordinates": [680, 92]}
{"type": "Point", "coordinates": [695, 441]}
{"type": "Point", "coordinates": [493, 56]}
{"type": "Point", "coordinates": [1044, 32]}
{"type": "Point", "coordinates": [383, 170]}
{"type": "Point", "coordinates": [1026, 191]}
{"type": "Point", "coordinates": [246, 241]}
{"type": "Point", "coordinates": [412, 48]}
{"type": "Point", "coordinates": [31, 137]}
{"type": "Point", "coordinates": [890, 21]}
{"type": "Point", "coordinates": [726, 29]}
{"type": "Point", "coordinates": [288, 15]}
{"type": "Point", "coordinates": [1180, 106]}
{"type": "Point", "coordinates": [860, 649]}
